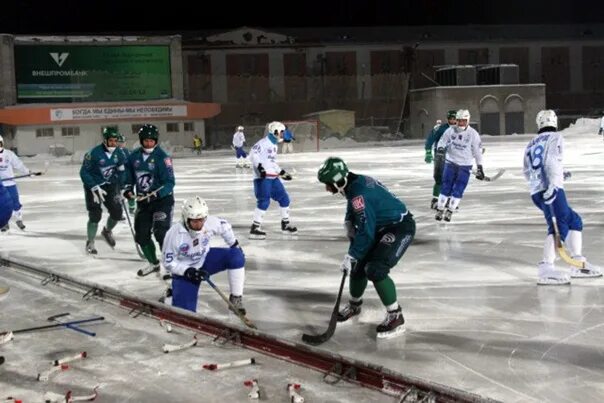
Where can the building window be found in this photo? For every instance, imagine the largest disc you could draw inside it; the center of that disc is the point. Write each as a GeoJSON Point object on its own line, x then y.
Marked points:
{"type": "Point", "coordinates": [45, 132]}
{"type": "Point", "coordinates": [136, 128]}
{"type": "Point", "coordinates": [189, 126]}
{"type": "Point", "coordinates": [172, 127]}
{"type": "Point", "coordinates": [70, 131]}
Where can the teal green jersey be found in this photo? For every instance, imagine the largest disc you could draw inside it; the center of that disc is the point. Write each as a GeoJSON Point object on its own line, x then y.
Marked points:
{"type": "Point", "coordinates": [149, 172]}
{"type": "Point", "coordinates": [101, 167]}
{"type": "Point", "coordinates": [370, 207]}
{"type": "Point", "coordinates": [435, 135]}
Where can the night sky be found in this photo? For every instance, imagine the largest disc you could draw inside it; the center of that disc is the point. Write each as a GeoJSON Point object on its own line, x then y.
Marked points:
{"type": "Point", "coordinates": [111, 16]}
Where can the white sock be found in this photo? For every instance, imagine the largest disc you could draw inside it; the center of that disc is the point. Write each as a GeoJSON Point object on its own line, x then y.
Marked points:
{"type": "Point", "coordinates": [392, 307]}
{"type": "Point", "coordinates": [258, 215]}
{"type": "Point", "coordinates": [549, 250]}
{"type": "Point", "coordinates": [574, 241]}
{"type": "Point", "coordinates": [454, 203]}
{"type": "Point", "coordinates": [18, 215]}
{"type": "Point", "coordinates": [442, 199]}
{"type": "Point", "coordinates": [285, 213]}
{"type": "Point", "coordinates": [236, 279]}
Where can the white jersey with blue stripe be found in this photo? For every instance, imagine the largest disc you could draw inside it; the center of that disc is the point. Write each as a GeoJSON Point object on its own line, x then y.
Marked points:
{"type": "Point", "coordinates": [463, 146]}
{"type": "Point", "coordinates": [181, 250]}
{"type": "Point", "coordinates": [8, 163]}
{"type": "Point", "coordinates": [543, 161]}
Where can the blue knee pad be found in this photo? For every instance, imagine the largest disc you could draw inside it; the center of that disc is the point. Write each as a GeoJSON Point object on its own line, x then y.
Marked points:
{"type": "Point", "coordinates": [236, 258]}
{"type": "Point", "coordinates": [262, 191]}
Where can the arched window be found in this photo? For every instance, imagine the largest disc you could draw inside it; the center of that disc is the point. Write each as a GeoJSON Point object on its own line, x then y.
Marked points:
{"type": "Point", "coordinates": [514, 114]}
{"type": "Point", "coordinates": [489, 116]}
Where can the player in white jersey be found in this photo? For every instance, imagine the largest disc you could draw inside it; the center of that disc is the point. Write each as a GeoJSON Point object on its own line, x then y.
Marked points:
{"type": "Point", "coordinates": [267, 181]}
{"type": "Point", "coordinates": [187, 255]}
{"type": "Point", "coordinates": [462, 146]}
{"type": "Point", "coordinates": [544, 171]}
{"type": "Point", "coordinates": [238, 142]}
{"type": "Point", "coordinates": [8, 163]}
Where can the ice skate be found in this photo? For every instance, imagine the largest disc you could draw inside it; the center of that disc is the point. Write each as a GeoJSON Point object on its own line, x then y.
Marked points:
{"type": "Point", "coordinates": [20, 225]}
{"type": "Point", "coordinates": [108, 236]}
{"type": "Point", "coordinates": [352, 308]}
{"type": "Point", "coordinates": [439, 215]}
{"type": "Point", "coordinates": [434, 203]}
{"type": "Point", "coordinates": [589, 271]}
{"type": "Point", "coordinates": [548, 275]}
{"type": "Point", "coordinates": [5, 228]}
{"type": "Point", "coordinates": [448, 214]}
{"type": "Point", "coordinates": [392, 325]}
{"type": "Point", "coordinates": [90, 249]}
{"type": "Point", "coordinates": [145, 271]}
{"type": "Point", "coordinates": [256, 232]}
{"type": "Point", "coordinates": [237, 302]}
{"type": "Point", "coordinates": [287, 228]}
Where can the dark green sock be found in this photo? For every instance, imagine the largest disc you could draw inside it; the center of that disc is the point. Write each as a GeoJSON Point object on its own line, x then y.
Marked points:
{"type": "Point", "coordinates": [91, 229]}
{"type": "Point", "coordinates": [436, 190]}
{"type": "Point", "coordinates": [357, 286]}
{"type": "Point", "coordinates": [386, 290]}
{"type": "Point", "coordinates": [131, 203]}
{"type": "Point", "coordinates": [149, 252]}
{"type": "Point", "coordinates": [111, 223]}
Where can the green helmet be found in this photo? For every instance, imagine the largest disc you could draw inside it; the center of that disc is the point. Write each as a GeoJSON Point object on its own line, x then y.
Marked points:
{"type": "Point", "coordinates": [121, 138]}
{"type": "Point", "coordinates": [452, 114]}
{"type": "Point", "coordinates": [111, 133]}
{"type": "Point", "coordinates": [148, 132]}
{"type": "Point", "coordinates": [332, 171]}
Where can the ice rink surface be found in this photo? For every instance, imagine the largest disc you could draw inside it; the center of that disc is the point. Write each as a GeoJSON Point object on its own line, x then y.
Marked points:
{"type": "Point", "coordinates": [476, 320]}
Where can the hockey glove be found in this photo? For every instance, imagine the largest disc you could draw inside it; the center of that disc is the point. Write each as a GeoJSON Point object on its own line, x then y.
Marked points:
{"type": "Point", "coordinates": [236, 244]}
{"type": "Point", "coordinates": [128, 193]}
{"type": "Point", "coordinates": [550, 194]}
{"type": "Point", "coordinates": [261, 171]}
{"type": "Point", "coordinates": [479, 173]}
{"type": "Point", "coordinates": [98, 194]}
{"type": "Point", "coordinates": [285, 176]}
{"type": "Point", "coordinates": [348, 264]}
{"type": "Point", "coordinates": [428, 157]}
{"type": "Point", "coordinates": [195, 275]}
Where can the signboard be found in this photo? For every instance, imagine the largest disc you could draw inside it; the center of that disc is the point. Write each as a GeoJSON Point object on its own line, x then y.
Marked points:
{"type": "Point", "coordinates": [117, 112]}
{"type": "Point", "coordinates": [92, 73]}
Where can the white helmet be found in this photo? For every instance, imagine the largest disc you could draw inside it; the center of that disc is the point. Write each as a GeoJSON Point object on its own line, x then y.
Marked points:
{"type": "Point", "coordinates": [193, 209]}
{"type": "Point", "coordinates": [239, 128]}
{"type": "Point", "coordinates": [547, 118]}
{"type": "Point", "coordinates": [276, 126]}
{"type": "Point", "coordinates": [461, 115]}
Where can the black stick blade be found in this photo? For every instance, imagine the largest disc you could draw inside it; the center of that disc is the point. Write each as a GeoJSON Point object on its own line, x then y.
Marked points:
{"type": "Point", "coordinates": [317, 339]}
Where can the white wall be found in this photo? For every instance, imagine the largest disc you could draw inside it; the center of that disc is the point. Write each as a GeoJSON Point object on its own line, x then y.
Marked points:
{"type": "Point", "coordinates": [27, 143]}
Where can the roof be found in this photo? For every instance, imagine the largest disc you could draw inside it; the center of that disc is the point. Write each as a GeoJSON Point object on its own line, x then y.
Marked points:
{"type": "Point", "coordinates": [431, 34]}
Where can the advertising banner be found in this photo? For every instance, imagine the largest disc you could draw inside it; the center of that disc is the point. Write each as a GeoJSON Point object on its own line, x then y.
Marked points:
{"type": "Point", "coordinates": [117, 112]}
{"type": "Point", "coordinates": [78, 73]}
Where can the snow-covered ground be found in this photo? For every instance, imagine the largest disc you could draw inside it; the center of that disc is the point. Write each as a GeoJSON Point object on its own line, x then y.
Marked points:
{"type": "Point", "coordinates": [476, 319]}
